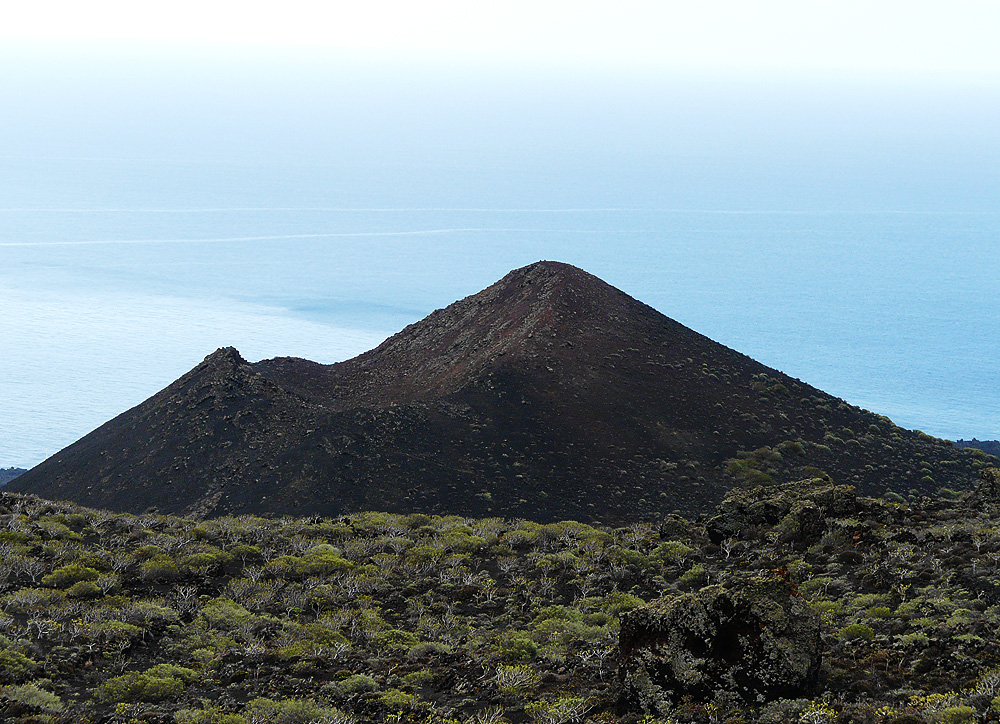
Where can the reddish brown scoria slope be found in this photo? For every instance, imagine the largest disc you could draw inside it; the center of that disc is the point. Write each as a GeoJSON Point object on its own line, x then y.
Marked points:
{"type": "Point", "coordinates": [549, 395]}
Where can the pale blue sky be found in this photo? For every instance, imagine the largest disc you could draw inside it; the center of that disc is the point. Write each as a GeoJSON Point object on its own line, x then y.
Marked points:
{"type": "Point", "coordinates": [913, 37]}
{"type": "Point", "coordinates": [909, 90]}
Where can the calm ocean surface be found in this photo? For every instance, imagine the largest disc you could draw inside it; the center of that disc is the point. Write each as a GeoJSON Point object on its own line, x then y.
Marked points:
{"type": "Point", "coordinates": [872, 279]}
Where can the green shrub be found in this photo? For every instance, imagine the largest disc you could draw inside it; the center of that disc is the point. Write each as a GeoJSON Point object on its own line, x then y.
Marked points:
{"type": "Point", "coordinates": [55, 529]}
{"type": "Point", "coordinates": [245, 552]}
{"type": "Point", "coordinates": [84, 589]}
{"type": "Point", "coordinates": [114, 631]}
{"type": "Point", "coordinates": [205, 561]}
{"type": "Point", "coordinates": [421, 677]}
{"type": "Point", "coordinates": [313, 643]}
{"type": "Point", "coordinates": [961, 616]}
{"type": "Point", "coordinates": [565, 624]}
{"type": "Point", "coordinates": [14, 666]}
{"type": "Point", "coordinates": [790, 447]}
{"type": "Point", "coordinates": [322, 635]}
{"type": "Point", "coordinates": [616, 603]}
{"type": "Point", "coordinates": [224, 613]}
{"type": "Point", "coordinates": [212, 715]}
{"type": "Point", "coordinates": [292, 711]}
{"type": "Point", "coordinates": [866, 600]}
{"type": "Point", "coordinates": [33, 696]}
{"type": "Point", "coordinates": [917, 638]}
{"type": "Point", "coordinates": [354, 684]}
{"type": "Point", "coordinates": [423, 554]}
{"type": "Point", "coordinates": [563, 710]}
{"type": "Point", "coordinates": [516, 679]}
{"type": "Point", "coordinates": [76, 521]}
{"type": "Point", "coordinates": [855, 631]}
{"type": "Point", "coordinates": [811, 471]}
{"type": "Point", "coordinates": [694, 577]}
{"type": "Point", "coordinates": [160, 567]}
{"type": "Point", "coordinates": [68, 575]}
{"type": "Point", "coordinates": [567, 632]}
{"type": "Point", "coordinates": [557, 613]}
{"type": "Point", "coordinates": [395, 639]}
{"type": "Point", "coordinates": [815, 585]}
{"type": "Point", "coordinates": [300, 651]}
{"type": "Point", "coordinates": [324, 558]}
{"type": "Point", "coordinates": [369, 620]}
{"type": "Point", "coordinates": [14, 536]}
{"type": "Point", "coordinates": [417, 520]}
{"type": "Point", "coordinates": [178, 672]}
{"type": "Point", "coordinates": [514, 647]}
{"type": "Point", "coordinates": [319, 560]}
{"type": "Point", "coordinates": [397, 700]}
{"type": "Point", "coordinates": [746, 472]}
{"type": "Point", "coordinates": [145, 553]}
{"type": "Point", "coordinates": [148, 613]}
{"type": "Point", "coordinates": [956, 715]}
{"type": "Point", "coordinates": [134, 687]}
{"type": "Point", "coordinates": [908, 609]}
{"type": "Point", "coordinates": [427, 648]}
{"type": "Point", "coordinates": [825, 607]}
{"type": "Point", "coordinates": [462, 541]}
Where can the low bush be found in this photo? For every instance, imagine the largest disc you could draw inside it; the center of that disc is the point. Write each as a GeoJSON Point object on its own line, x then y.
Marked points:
{"type": "Point", "coordinates": [514, 647]}
{"type": "Point", "coordinates": [293, 711]}
{"type": "Point", "coordinates": [134, 687]}
{"type": "Point", "coordinates": [33, 696]}
{"type": "Point", "coordinates": [855, 631]}
{"type": "Point", "coordinates": [353, 684]}
{"type": "Point", "coordinates": [160, 567]}
{"type": "Point", "coordinates": [424, 649]}
{"type": "Point", "coordinates": [69, 574]}
{"type": "Point", "coordinates": [14, 666]}
{"type": "Point", "coordinates": [84, 589]}
{"type": "Point", "coordinates": [212, 715]}
{"type": "Point", "coordinates": [397, 700]}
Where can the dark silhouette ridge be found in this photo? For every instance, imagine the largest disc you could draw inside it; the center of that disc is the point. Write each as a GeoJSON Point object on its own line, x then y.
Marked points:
{"type": "Point", "coordinates": [549, 395]}
{"type": "Point", "coordinates": [991, 447]}
{"type": "Point", "coordinates": [8, 474]}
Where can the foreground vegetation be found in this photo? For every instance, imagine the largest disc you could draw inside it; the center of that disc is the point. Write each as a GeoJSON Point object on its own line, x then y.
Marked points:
{"type": "Point", "coordinates": [412, 618]}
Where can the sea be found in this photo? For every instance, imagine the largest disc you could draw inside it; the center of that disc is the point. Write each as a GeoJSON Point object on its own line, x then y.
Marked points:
{"type": "Point", "coordinates": [845, 236]}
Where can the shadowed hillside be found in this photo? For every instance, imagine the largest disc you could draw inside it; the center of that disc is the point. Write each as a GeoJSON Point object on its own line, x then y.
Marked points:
{"type": "Point", "coordinates": [992, 447]}
{"type": "Point", "coordinates": [8, 474]}
{"type": "Point", "coordinates": [549, 395]}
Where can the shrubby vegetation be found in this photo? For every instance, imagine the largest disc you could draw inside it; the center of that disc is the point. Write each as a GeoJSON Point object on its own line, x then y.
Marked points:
{"type": "Point", "coordinates": [414, 618]}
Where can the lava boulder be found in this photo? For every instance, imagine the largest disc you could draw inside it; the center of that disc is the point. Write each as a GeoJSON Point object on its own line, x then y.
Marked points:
{"type": "Point", "coordinates": [749, 641]}
{"type": "Point", "coordinates": [796, 511]}
{"type": "Point", "coordinates": [988, 489]}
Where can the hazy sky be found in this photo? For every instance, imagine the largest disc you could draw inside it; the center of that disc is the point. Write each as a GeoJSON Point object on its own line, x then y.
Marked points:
{"type": "Point", "coordinates": [908, 90]}
{"type": "Point", "coordinates": [842, 36]}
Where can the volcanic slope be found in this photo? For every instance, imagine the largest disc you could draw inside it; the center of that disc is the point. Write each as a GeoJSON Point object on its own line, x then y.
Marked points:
{"type": "Point", "coordinates": [549, 395]}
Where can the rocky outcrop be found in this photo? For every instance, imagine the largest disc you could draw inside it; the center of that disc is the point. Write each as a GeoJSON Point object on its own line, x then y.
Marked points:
{"type": "Point", "coordinates": [752, 641]}
{"type": "Point", "coordinates": [988, 489]}
{"type": "Point", "coordinates": [799, 510]}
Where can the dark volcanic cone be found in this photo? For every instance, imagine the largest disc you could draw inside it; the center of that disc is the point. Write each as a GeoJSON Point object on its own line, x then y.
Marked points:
{"type": "Point", "coordinates": [549, 395]}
